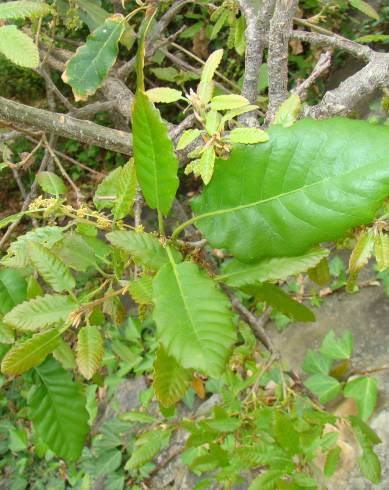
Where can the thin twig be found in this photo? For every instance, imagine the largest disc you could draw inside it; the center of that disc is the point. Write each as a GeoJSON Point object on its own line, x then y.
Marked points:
{"type": "Point", "coordinates": [321, 66]}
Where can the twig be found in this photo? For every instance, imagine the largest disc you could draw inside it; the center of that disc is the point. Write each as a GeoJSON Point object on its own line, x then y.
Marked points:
{"type": "Point", "coordinates": [321, 66]}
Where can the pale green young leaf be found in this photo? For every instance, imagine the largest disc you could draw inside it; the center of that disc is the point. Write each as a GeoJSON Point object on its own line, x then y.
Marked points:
{"type": "Point", "coordinates": [365, 8]}
{"type": "Point", "coordinates": [7, 335]}
{"type": "Point", "coordinates": [30, 353]}
{"type": "Point", "coordinates": [164, 94]}
{"type": "Point", "coordinates": [106, 191]}
{"type": "Point", "coordinates": [221, 20]}
{"type": "Point", "coordinates": [193, 166]}
{"type": "Point", "coordinates": [40, 312]}
{"type": "Point", "coordinates": [320, 274]}
{"type": "Point", "coordinates": [326, 388]}
{"type": "Point", "coordinates": [288, 111]}
{"type": "Point", "coordinates": [262, 194]}
{"type": "Point", "coordinates": [237, 274]}
{"type": "Point", "coordinates": [367, 431]}
{"type": "Point", "coordinates": [212, 122]}
{"type": "Point", "coordinates": [90, 351]}
{"type": "Point", "coordinates": [267, 480]}
{"type": "Point", "coordinates": [51, 183]}
{"type": "Point", "coordinates": [228, 102]}
{"type": "Point", "coordinates": [171, 380]}
{"type": "Point", "coordinates": [370, 466]}
{"type": "Point", "coordinates": [237, 112]}
{"type": "Point", "coordinates": [155, 161]}
{"type": "Point", "coordinates": [147, 446]}
{"type": "Point", "coordinates": [332, 461]}
{"type": "Point", "coordinates": [193, 317]}
{"type": "Point", "coordinates": [337, 347]}
{"type": "Point", "coordinates": [18, 47]}
{"type": "Point", "coordinates": [373, 38]}
{"type": "Point", "coordinates": [364, 391]}
{"type": "Point", "coordinates": [50, 267]}
{"type": "Point", "coordinates": [89, 66]}
{"type": "Point", "coordinates": [187, 138]}
{"type": "Point", "coordinates": [10, 219]}
{"type": "Point", "coordinates": [205, 87]}
{"type": "Point", "coordinates": [141, 290]}
{"type": "Point", "coordinates": [13, 289]}
{"type": "Point", "coordinates": [206, 164]}
{"type": "Point", "coordinates": [143, 247]}
{"type": "Point", "coordinates": [361, 252]}
{"type": "Point", "coordinates": [248, 136]}
{"type": "Point", "coordinates": [58, 410]}
{"type": "Point", "coordinates": [21, 9]}
{"type": "Point", "coordinates": [316, 363]}
{"type": "Point", "coordinates": [64, 355]}
{"type": "Point", "coordinates": [239, 35]}
{"type": "Point", "coordinates": [381, 251]}
{"type": "Point", "coordinates": [125, 191]}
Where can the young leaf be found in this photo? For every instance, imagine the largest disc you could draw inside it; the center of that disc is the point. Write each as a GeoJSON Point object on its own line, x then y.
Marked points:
{"type": "Point", "coordinates": [362, 252]}
{"type": "Point", "coordinates": [30, 353]}
{"type": "Point", "coordinates": [76, 253]}
{"type": "Point", "coordinates": [332, 461]}
{"type": "Point", "coordinates": [288, 112]}
{"type": "Point", "coordinates": [106, 191]}
{"type": "Point", "coordinates": [21, 9]}
{"type": "Point", "coordinates": [13, 289]}
{"type": "Point", "coordinates": [18, 47]}
{"type": "Point", "coordinates": [267, 480]}
{"type": "Point", "coordinates": [194, 321]}
{"type": "Point", "coordinates": [370, 465]}
{"type": "Point", "coordinates": [89, 66]}
{"type": "Point", "coordinates": [228, 102]}
{"type": "Point", "coordinates": [51, 268]}
{"type": "Point", "coordinates": [57, 410]}
{"type": "Point", "coordinates": [381, 251]}
{"type": "Point", "coordinates": [364, 392]}
{"type": "Point", "coordinates": [337, 347]}
{"type": "Point", "coordinates": [64, 355]}
{"type": "Point", "coordinates": [212, 122]}
{"type": "Point", "coordinates": [40, 312]}
{"type": "Point", "coordinates": [143, 247]}
{"type": "Point", "coordinates": [365, 8]}
{"type": "Point", "coordinates": [237, 274]}
{"type": "Point", "coordinates": [368, 432]}
{"type": "Point", "coordinates": [320, 274]}
{"type": "Point", "coordinates": [262, 194]}
{"type": "Point", "coordinates": [141, 290]}
{"type": "Point", "coordinates": [164, 94]}
{"type": "Point", "coordinates": [316, 363]}
{"type": "Point", "coordinates": [324, 387]}
{"type": "Point", "coordinates": [205, 87]}
{"type": "Point", "coordinates": [90, 351]}
{"type": "Point", "coordinates": [187, 138]}
{"type": "Point", "coordinates": [277, 298]}
{"type": "Point", "coordinates": [285, 433]}
{"type": "Point", "coordinates": [125, 191]}
{"type": "Point", "coordinates": [248, 136]}
{"type": "Point", "coordinates": [155, 160]}
{"type": "Point", "coordinates": [171, 380]}
{"type": "Point", "coordinates": [147, 446]}
{"type": "Point", "coordinates": [51, 183]}
{"type": "Point", "coordinates": [206, 164]}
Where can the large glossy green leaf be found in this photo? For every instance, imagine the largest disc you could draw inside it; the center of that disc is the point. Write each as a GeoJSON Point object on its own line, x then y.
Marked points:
{"type": "Point", "coordinates": [30, 353]}
{"type": "Point", "coordinates": [193, 317]}
{"type": "Point", "coordinates": [308, 184]}
{"type": "Point", "coordinates": [13, 289]}
{"type": "Point", "coordinates": [87, 69]}
{"type": "Point", "coordinates": [155, 161]}
{"type": "Point", "coordinates": [57, 410]}
{"type": "Point", "coordinates": [143, 247]}
{"type": "Point", "coordinates": [40, 312]}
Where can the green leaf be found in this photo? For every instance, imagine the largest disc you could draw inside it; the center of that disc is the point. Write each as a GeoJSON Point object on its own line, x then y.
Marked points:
{"type": "Point", "coordinates": [212, 122]}
{"type": "Point", "coordinates": [51, 268]}
{"type": "Point", "coordinates": [370, 466]}
{"type": "Point", "coordinates": [332, 461]}
{"type": "Point", "coordinates": [267, 480]}
{"type": "Point", "coordinates": [63, 354]}
{"type": "Point", "coordinates": [381, 251]}
{"type": "Point", "coordinates": [362, 252]}
{"type": "Point", "coordinates": [125, 191]}
{"type": "Point", "coordinates": [106, 191]}
{"type": "Point", "coordinates": [337, 347]}
{"type": "Point", "coordinates": [13, 289]}
{"type": "Point", "coordinates": [237, 112]}
{"type": "Point", "coordinates": [206, 164]}
{"type": "Point", "coordinates": [90, 351]}
{"type": "Point", "coordinates": [22, 9]}
{"type": "Point", "coordinates": [316, 363]}
{"type": "Point", "coordinates": [194, 321]}
{"type": "Point", "coordinates": [326, 388]}
{"type": "Point", "coordinates": [89, 66]}
{"type": "Point", "coordinates": [364, 392]}
{"type": "Point", "coordinates": [205, 87]}
{"type": "Point", "coordinates": [263, 194]}
{"type": "Point", "coordinates": [30, 353]}
{"type": "Point", "coordinates": [57, 411]}
{"type": "Point", "coordinates": [141, 290]}
{"type": "Point", "coordinates": [51, 183]}
{"type": "Point", "coordinates": [320, 274]}
{"type": "Point", "coordinates": [155, 161]}
{"type": "Point", "coordinates": [228, 102]}
{"type": "Point", "coordinates": [40, 312]}
{"type": "Point", "coordinates": [171, 381]}
{"type": "Point", "coordinates": [77, 253]}
{"type": "Point", "coordinates": [248, 136]}
{"type": "Point", "coordinates": [288, 111]}
{"type": "Point", "coordinates": [305, 481]}
{"type": "Point", "coordinates": [143, 247]}
{"type": "Point", "coordinates": [147, 446]}
{"type": "Point", "coordinates": [237, 274]}
{"type": "Point", "coordinates": [365, 8]}
{"type": "Point", "coordinates": [285, 433]}
{"type": "Point", "coordinates": [187, 138]}
{"type": "Point", "coordinates": [373, 38]}
{"type": "Point", "coordinates": [367, 431]}
{"type": "Point", "coordinates": [277, 298]}
{"type": "Point", "coordinates": [164, 94]}
{"type": "Point", "coordinates": [18, 47]}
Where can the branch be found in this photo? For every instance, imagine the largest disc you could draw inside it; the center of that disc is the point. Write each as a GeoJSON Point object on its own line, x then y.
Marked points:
{"type": "Point", "coordinates": [322, 65]}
